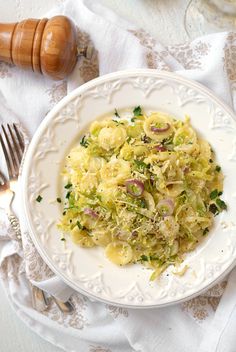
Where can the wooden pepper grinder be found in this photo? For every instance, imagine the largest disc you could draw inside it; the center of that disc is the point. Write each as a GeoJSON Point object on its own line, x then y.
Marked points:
{"type": "Point", "coordinates": [48, 46]}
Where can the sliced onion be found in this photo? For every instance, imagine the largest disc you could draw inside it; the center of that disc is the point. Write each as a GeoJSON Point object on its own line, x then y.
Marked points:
{"type": "Point", "coordinates": [160, 129]}
{"type": "Point", "coordinates": [160, 148]}
{"type": "Point", "coordinates": [134, 187]}
{"type": "Point", "coordinates": [90, 212]}
{"type": "Point", "coordinates": [166, 206]}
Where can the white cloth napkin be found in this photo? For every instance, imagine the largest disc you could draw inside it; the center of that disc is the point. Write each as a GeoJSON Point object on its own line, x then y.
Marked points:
{"type": "Point", "coordinates": [204, 324]}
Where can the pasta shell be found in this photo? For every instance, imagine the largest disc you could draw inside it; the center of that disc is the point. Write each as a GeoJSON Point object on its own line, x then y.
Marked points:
{"type": "Point", "coordinates": [119, 253]}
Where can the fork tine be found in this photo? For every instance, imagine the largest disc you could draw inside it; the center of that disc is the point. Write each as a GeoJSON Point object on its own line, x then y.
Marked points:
{"type": "Point", "coordinates": [16, 146]}
{"type": "Point", "coordinates": [9, 165]}
{"type": "Point", "coordinates": [2, 179]}
{"type": "Point", "coordinates": [19, 137]}
{"type": "Point", "coordinates": [11, 154]}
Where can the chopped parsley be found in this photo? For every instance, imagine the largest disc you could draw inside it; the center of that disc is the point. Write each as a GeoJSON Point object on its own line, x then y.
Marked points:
{"type": "Point", "coordinates": [69, 185]}
{"type": "Point", "coordinates": [221, 204]}
{"type": "Point", "coordinates": [133, 119]}
{"type": "Point", "coordinates": [63, 239]}
{"type": "Point", "coordinates": [137, 111]}
{"type": "Point", "coordinates": [141, 164]}
{"type": "Point", "coordinates": [59, 200]}
{"type": "Point", "coordinates": [144, 258]}
{"type": "Point", "coordinates": [214, 194]}
{"type": "Point", "coordinates": [143, 203]}
{"type": "Point", "coordinates": [152, 257]}
{"type": "Point", "coordinates": [68, 194]}
{"type": "Point", "coordinates": [146, 139]}
{"type": "Point", "coordinates": [218, 168]}
{"type": "Point", "coordinates": [39, 198]}
{"type": "Point", "coordinates": [79, 225]}
{"type": "Point", "coordinates": [206, 230]}
{"type": "Point", "coordinates": [168, 143]}
{"type": "Point", "coordinates": [117, 114]}
{"type": "Point", "coordinates": [84, 142]}
{"type": "Point", "coordinates": [118, 122]}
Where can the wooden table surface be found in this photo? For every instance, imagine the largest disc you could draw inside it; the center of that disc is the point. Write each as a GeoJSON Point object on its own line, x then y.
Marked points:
{"type": "Point", "coordinates": [164, 19]}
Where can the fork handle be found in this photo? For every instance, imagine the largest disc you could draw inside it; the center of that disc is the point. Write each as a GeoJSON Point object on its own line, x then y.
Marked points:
{"type": "Point", "coordinates": [15, 225]}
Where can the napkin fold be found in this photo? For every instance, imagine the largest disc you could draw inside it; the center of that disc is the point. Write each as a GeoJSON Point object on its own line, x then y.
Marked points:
{"type": "Point", "coordinates": [205, 323]}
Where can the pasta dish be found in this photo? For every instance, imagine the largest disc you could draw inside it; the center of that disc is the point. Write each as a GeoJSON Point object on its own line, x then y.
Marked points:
{"type": "Point", "coordinates": [144, 187]}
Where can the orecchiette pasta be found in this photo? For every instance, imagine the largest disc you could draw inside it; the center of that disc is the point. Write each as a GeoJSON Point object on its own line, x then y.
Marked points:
{"type": "Point", "coordinates": [145, 188]}
{"type": "Point", "coordinates": [119, 253]}
{"type": "Point", "coordinates": [111, 137]}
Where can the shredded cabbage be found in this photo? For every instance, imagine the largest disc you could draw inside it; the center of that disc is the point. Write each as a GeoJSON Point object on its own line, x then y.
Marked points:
{"type": "Point", "coordinates": [145, 188]}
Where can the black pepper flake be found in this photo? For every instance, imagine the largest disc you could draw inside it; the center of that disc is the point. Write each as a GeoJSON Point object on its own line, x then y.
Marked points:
{"type": "Point", "coordinates": [213, 209]}
{"type": "Point", "coordinates": [68, 195]}
{"type": "Point", "coordinates": [39, 198]}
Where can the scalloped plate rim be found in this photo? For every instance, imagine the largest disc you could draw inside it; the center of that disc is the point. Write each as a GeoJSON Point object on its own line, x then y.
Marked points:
{"type": "Point", "coordinates": [75, 93]}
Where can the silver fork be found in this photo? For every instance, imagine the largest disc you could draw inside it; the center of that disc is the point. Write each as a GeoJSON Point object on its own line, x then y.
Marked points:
{"type": "Point", "coordinates": [13, 161]}
{"type": "Point", "coordinates": [13, 147]}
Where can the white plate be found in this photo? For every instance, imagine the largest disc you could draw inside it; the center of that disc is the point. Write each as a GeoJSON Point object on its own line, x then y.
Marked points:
{"type": "Point", "coordinates": [87, 270]}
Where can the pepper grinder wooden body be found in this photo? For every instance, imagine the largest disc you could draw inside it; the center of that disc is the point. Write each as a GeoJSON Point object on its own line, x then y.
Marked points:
{"type": "Point", "coordinates": [47, 46]}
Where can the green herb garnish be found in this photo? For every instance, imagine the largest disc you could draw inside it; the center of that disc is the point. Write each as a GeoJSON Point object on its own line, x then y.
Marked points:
{"type": "Point", "coordinates": [152, 257]}
{"type": "Point", "coordinates": [84, 142]}
{"type": "Point", "coordinates": [133, 119]}
{"type": "Point", "coordinates": [59, 200]}
{"type": "Point", "coordinates": [63, 239]}
{"type": "Point", "coordinates": [206, 230]}
{"type": "Point", "coordinates": [221, 204]}
{"type": "Point", "coordinates": [79, 225]}
{"type": "Point", "coordinates": [141, 164]}
{"type": "Point", "coordinates": [137, 111]}
{"type": "Point", "coordinates": [39, 198]}
{"type": "Point", "coordinates": [143, 203]}
{"type": "Point", "coordinates": [214, 194]}
{"type": "Point", "coordinates": [146, 139]}
{"type": "Point", "coordinates": [69, 185]}
{"type": "Point", "coordinates": [144, 258]}
{"type": "Point", "coordinates": [118, 122]}
{"type": "Point", "coordinates": [68, 195]}
{"type": "Point", "coordinates": [218, 168]}
{"type": "Point", "coordinates": [117, 114]}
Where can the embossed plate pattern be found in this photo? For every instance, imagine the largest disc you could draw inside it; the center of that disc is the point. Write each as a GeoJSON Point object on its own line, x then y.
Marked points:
{"type": "Point", "coordinates": [87, 270]}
